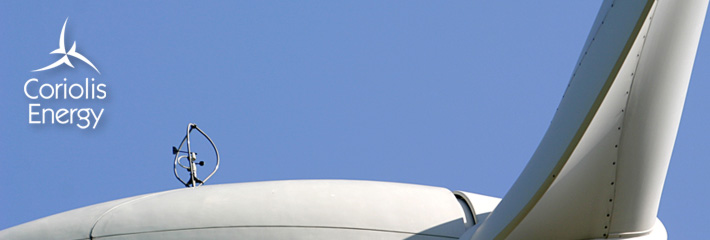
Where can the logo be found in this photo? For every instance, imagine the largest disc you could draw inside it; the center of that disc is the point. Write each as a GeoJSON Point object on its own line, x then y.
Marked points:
{"type": "Point", "coordinates": [65, 59]}
{"type": "Point", "coordinates": [63, 96]}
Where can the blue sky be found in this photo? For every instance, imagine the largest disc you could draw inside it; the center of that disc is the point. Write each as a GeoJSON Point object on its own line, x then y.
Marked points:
{"type": "Point", "coordinates": [454, 94]}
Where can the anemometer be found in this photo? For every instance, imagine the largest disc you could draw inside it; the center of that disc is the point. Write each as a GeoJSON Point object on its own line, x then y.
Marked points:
{"type": "Point", "coordinates": [191, 164]}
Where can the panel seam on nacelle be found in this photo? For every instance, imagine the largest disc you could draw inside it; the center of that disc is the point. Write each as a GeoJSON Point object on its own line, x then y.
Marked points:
{"type": "Point", "coordinates": [277, 226]}
{"type": "Point", "coordinates": [91, 231]}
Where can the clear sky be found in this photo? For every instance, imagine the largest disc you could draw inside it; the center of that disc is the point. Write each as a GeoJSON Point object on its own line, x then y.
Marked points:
{"type": "Point", "coordinates": [454, 94]}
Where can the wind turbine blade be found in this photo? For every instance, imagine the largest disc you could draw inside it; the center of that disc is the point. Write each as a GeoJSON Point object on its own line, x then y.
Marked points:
{"type": "Point", "coordinates": [58, 51]}
{"type": "Point", "coordinates": [82, 58]}
{"type": "Point", "coordinates": [62, 60]}
{"type": "Point", "coordinates": [73, 48]}
{"type": "Point", "coordinates": [61, 38]}
{"type": "Point", "coordinates": [600, 168]}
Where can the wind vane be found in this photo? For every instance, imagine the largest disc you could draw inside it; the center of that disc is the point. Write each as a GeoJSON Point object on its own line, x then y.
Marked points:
{"type": "Point", "coordinates": [191, 157]}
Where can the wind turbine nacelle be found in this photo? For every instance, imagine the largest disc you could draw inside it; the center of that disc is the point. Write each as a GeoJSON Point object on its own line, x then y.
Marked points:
{"type": "Point", "coordinates": [303, 209]}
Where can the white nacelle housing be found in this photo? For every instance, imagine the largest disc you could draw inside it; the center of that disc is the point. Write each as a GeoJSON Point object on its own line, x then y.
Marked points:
{"type": "Point", "coordinates": [304, 209]}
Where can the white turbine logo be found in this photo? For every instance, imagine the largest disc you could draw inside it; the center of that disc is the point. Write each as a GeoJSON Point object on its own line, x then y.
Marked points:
{"type": "Point", "coordinates": [65, 59]}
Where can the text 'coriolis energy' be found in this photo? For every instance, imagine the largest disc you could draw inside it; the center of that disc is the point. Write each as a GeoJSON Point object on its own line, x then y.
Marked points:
{"type": "Point", "coordinates": [82, 117]}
